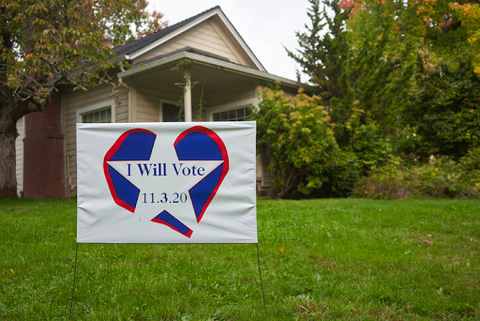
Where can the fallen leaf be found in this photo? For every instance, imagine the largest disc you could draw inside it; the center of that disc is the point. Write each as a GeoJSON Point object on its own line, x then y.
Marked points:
{"type": "Point", "coordinates": [471, 240]}
{"type": "Point", "coordinates": [405, 242]}
{"type": "Point", "coordinates": [439, 214]}
{"type": "Point", "coordinates": [429, 235]}
{"type": "Point", "coordinates": [427, 241]}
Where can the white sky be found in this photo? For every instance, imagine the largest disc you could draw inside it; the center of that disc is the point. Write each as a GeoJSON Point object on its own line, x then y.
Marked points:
{"type": "Point", "coordinates": [265, 25]}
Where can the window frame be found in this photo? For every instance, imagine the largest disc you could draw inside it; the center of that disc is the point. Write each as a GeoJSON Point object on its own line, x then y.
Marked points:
{"type": "Point", "coordinates": [110, 104]}
{"type": "Point", "coordinates": [164, 101]}
{"type": "Point", "coordinates": [232, 106]}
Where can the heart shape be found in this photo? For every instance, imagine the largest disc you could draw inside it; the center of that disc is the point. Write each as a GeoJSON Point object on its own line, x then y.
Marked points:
{"type": "Point", "coordinates": [197, 143]}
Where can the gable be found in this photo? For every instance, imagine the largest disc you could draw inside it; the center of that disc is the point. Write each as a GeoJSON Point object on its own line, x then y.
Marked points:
{"type": "Point", "coordinates": [210, 36]}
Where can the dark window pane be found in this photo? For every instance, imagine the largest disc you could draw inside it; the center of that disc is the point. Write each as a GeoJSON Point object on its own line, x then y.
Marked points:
{"type": "Point", "coordinates": [98, 116]}
{"type": "Point", "coordinates": [170, 112]}
{"type": "Point", "coordinates": [224, 116]}
{"type": "Point", "coordinates": [238, 114]}
{"type": "Point", "coordinates": [241, 113]}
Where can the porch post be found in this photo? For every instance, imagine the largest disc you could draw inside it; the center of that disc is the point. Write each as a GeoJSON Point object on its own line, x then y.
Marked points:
{"type": "Point", "coordinates": [187, 99]}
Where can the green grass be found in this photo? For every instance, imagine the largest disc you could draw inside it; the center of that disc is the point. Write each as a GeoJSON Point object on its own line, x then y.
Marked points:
{"type": "Point", "coordinates": [345, 258]}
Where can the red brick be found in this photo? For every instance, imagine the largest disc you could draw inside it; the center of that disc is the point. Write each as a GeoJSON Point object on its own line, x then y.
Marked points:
{"type": "Point", "coordinates": [44, 171]}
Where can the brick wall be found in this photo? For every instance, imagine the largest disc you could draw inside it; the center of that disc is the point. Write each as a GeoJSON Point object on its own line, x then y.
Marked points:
{"type": "Point", "coordinates": [44, 171]}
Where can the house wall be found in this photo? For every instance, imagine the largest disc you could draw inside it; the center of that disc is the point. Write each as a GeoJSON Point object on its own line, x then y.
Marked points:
{"type": "Point", "coordinates": [44, 152]}
{"type": "Point", "coordinates": [78, 100]}
{"type": "Point", "coordinates": [147, 98]}
{"type": "Point", "coordinates": [209, 36]}
{"type": "Point", "coordinates": [230, 95]}
{"type": "Point", "coordinates": [19, 154]}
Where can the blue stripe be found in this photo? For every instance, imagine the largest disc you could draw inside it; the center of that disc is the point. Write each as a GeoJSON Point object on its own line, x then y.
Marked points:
{"type": "Point", "coordinates": [198, 146]}
{"type": "Point", "coordinates": [136, 146]}
{"type": "Point", "coordinates": [125, 190]}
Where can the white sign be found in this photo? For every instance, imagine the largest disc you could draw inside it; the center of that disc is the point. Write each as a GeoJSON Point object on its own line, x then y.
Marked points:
{"type": "Point", "coordinates": [166, 183]}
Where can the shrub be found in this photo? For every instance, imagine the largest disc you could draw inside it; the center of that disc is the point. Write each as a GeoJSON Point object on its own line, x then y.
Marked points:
{"type": "Point", "coordinates": [442, 177]}
{"type": "Point", "coordinates": [296, 135]}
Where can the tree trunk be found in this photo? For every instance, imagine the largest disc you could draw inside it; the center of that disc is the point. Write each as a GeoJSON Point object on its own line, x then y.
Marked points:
{"type": "Point", "coordinates": [8, 177]}
{"type": "Point", "coordinates": [8, 133]}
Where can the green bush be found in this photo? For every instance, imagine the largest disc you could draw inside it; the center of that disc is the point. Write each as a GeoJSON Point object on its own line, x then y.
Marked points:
{"type": "Point", "coordinates": [442, 177]}
{"type": "Point", "coordinates": [296, 135]}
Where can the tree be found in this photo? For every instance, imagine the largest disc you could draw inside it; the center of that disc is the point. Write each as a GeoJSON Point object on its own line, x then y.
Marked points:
{"type": "Point", "coordinates": [349, 55]}
{"type": "Point", "coordinates": [45, 44]}
{"type": "Point", "coordinates": [323, 48]}
{"type": "Point", "coordinates": [442, 109]}
{"type": "Point", "coordinates": [414, 68]}
{"type": "Point", "coordinates": [377, 76]}
{"type": "Point", "coordinates": [400, 79]}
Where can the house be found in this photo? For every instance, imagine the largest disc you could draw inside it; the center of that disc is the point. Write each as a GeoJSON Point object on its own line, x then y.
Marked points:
{"type": "Point", "coordinates": [201, 63]}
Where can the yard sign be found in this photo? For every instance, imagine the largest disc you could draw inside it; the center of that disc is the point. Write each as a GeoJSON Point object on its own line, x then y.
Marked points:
{"type": "Point", "coordinates": [166, 183]}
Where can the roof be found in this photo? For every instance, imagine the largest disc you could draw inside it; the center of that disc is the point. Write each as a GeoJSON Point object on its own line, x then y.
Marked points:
{"type": "Point", "coordinates": [137, 47]}
{"type": "Point", "coordinates": [140, 43]}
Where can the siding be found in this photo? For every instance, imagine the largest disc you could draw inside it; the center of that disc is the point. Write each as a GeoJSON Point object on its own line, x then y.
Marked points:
{"type": "Point", "coordinates": [233, 94]}
{"type": "Point", "coordinates": [148, 103]}
{"type": "Point", "coordinates": [75, 100]}
{"type": "Point", "coordinates": [19, 154]}
{"type": "Point", "coordinates": [209, 36]}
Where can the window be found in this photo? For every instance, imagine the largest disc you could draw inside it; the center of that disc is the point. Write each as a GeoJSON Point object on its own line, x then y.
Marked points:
{"type": "Point", "coordinates": [100, 116]}
{"type": "Point", "coordinates": [98, 113]}
{"type": "Point", "coordinates": [238, 114]}
{"type": "Point", "coordinates": [170, 112]}
{"type": "Point", "coordinates": [235, 111]}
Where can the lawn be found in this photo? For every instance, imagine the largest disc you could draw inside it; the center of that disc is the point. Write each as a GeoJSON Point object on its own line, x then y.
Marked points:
{"type": "Point", "coordinates": [341, 258]}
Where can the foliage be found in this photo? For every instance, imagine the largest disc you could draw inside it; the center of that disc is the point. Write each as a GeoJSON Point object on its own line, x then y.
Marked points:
{"type": "Point", "coordinates": [296, 135]}
{"type": "Point", "coordinates": [366, 142]}
{"type": "Point", "coordinates": [443, 109]}
{"type": "Point", "coordinates": [348, 66]}
{"type": "Point", "coordinates": [444, 96]}
{"type": "Point", "coordinates": [442, 177]}
{"type": "Point", "coordinates": [341, 259]}
{"type": "Point", "coordinates": [401, 81]}
{"type": "Point", "coordinates": [323, 48]}
{"type": "Point", "coordinates": [46, 44]}
{"type": "Point", "coordinates": [377, 68]}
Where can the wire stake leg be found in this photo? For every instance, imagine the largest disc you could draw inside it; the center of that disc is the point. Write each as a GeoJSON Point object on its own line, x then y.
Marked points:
{"type": "Point", "coordinates": [74, 277]}
{"type": "Point", "coordinates": [261, 280]}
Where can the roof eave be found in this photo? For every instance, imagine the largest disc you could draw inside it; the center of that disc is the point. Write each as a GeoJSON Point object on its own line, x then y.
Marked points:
{"type": "Point", "coordinates": [208, 61]}
{"type": "Point", "coordinates": [119, 58]}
